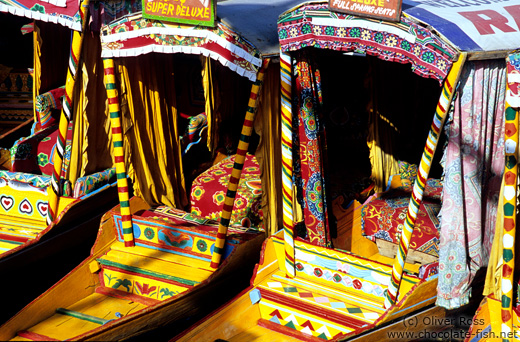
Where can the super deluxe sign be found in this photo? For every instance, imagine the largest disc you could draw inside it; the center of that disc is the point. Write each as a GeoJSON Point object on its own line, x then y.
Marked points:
{"type": "Point", "coordinates": [380, 9]}
{"type": "Point", "coordinates": [193, 12]}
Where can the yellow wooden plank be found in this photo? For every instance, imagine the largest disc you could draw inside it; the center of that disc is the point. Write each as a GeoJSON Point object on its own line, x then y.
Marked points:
{"type": "Point", "coordinates": [142, 286]}
{"type": "Point", "coordinates": [75, 286]}
{"type": "Point", "coordinates": [64, 327]}
{"type": "Point", "coordinates": [6, 246]}
{"type": "Point", "coordinates": [14, 222]}
{"type": "Point", "coordinates": [170, 257]}
{"type": "Point", "coordinates": [236, 318]}
{"type": "Point", "coordinates": [261, 334]}
{"type": "Point", "coordinates": [298, 318]}
{"type": "Point", "coordinates": [371, 310]}
{"type": "Point", "coordinates": [158, 264]}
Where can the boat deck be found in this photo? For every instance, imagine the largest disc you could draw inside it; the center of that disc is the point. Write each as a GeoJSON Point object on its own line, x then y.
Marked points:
{"type": "Point", "coordinates": [85, 315]}
{"type": "Point", "coordinates": [15, 233]}
{"type": "Point", "coordinates": [129, 279]}
{"type": "Point", "coordinates": [333, 293]}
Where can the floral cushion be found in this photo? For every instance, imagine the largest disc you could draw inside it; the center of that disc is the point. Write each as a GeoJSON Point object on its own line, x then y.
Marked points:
{"type": "Point", "coordinates": [35, 154]}
{"type": "Point", "coordinates": [46, 103]}
{"type": "Point", "coordinates": [194, 132]}
{"type": "Point", "coordinates": [408, 173]}
{"type": "Point", "coordinates": [384, 217]}
{"type": "Point", "coordinates": [209, 189]}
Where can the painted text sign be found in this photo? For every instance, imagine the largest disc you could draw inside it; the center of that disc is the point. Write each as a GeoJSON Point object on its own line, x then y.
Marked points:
{"type": "Point", "coordinates": [194, 12]}
{"type": "Point", "coordinates": [471, 25]}
{"type": "Point", "coordinates": [380, 9]}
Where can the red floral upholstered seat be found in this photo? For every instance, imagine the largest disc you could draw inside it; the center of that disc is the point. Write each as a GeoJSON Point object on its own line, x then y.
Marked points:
{"type": "Point", "coordinates": [383, 216]}
{"type": "Point", "coordinates": [209, 191]}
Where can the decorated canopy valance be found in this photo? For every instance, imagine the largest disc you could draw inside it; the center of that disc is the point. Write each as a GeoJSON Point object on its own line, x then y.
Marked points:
{"type": "Point", "coordinates": [64, 12]}
{"type": "Point", "coordinates": [135, 35]}
{"type": "Point", "coordinates": [313, 25]}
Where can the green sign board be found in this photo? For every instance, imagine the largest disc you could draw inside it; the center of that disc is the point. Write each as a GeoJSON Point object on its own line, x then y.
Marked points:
{"type": "Point", "coordinates": [192, 12]}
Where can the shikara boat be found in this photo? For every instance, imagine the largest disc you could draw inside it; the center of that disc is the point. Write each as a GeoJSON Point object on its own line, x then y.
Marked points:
{"type": "Point", "coordinates": [157, 260]}
{"type": "Point", "coordinates": [376, 275]}
{"type": "Point", "coordinates": [54, 185]}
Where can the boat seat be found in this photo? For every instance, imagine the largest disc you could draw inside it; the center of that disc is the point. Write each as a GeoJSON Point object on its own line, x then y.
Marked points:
{"type": "Point", "coordinates": [333, 292]}
{"type": "Point", "coordinates": [208, 192]}
{"type": "Point", "coordinates": [148, 273]}
{"type": "Point", "coordinates": [34, 154]}
{"type": "Point", "coordinates": [383, 216]}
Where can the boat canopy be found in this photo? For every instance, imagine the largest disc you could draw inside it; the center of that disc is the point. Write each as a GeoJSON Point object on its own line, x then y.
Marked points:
{"type": "Point", "coordinates": [429, 36]}
{"type": "Point", "coordinates": [313, 25]}
{"type": "Point", "coordinates": [245, 33]}
{"type": "Point", "coordinates": [64, 12]}
{"type": "Point", "coordinates": [480, 27]}
{"type": "Point", "coordinates": [134, 35]}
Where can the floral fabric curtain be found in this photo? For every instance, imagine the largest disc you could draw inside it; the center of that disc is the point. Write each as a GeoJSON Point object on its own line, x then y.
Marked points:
{"type": "Point", "coordinates": [474, 164]}
{"type": "Point", "coordinates": [309, 102]}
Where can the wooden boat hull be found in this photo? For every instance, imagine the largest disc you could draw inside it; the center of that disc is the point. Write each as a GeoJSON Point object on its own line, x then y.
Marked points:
{"type": "Point", "coordinates": [40, 262]}
{"type": "Point", "coordinates": [335, 295]}
{"type": "Point", "coordinates": [487, 322]}
{"type": "Point", "coordinates": [82, 288]}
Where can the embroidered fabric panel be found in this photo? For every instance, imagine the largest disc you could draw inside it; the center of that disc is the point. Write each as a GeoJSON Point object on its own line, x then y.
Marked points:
{"type": "Point", "coordinates": [474, 165]}
{"type": "Point", "coordinates": [315, 26]}
{"type": "Point", "coordinates": [65, 13]}
{"type": "Point", "coordinates": [45, 103]}
{"type": "Point", "coordinates": [310, 168]}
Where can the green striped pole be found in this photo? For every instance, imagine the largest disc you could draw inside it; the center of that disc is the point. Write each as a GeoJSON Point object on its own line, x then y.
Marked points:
{"type": "Point", "coordinates": [119, 155]}
{"type": "Point", "coordinates": [66, 114]}
{"type": "Point", "coordinates": [240, 157]}
{"type": "Point", "coordinates": [422, 175]}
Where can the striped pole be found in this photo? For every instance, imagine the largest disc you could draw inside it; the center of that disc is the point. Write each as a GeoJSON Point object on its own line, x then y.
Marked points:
{"type": "Point", "coordinates": [422, 175]}
{"type": "Point", "coordinates": [287, 171]}
{"type": "Point", "coordinates": [66, 114]}
{"type": "Point", "coordinates": [240, 157]}
{"type": "Point", "coordinates": [119, 156]}
{"type": "Point", "coordinates": [510, 191]}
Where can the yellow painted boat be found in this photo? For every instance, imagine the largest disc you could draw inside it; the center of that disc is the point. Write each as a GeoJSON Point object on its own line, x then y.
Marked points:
{"type": "Point", "coordinates": [44, 218]}
{"type": "Point", "coordinates": [152, 264]}
{"type": "Point", "coordinates": [118, 291]}
{"type": "Point", "coordinates": [310, 286]}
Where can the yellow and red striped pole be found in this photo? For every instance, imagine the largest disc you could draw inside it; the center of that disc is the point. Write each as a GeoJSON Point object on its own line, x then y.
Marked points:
{"type": "Point", "coordinates": [287, 166]}
{"type": "Point", "coordinates": [422, 175]}
{"type": "Point", "coordinates": [240, 157]}
{"type": "Point", "coordinates": [66, 113]}
{"type": "Point", "coordinates": [119, 157]}
{"type": "Point", "coordinates": [510, 192]}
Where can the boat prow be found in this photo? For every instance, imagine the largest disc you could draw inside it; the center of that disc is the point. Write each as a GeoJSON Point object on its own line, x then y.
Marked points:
{"type": "Point", "coordinates": [334, 295]}
{"type": "Point", "coordinates": [123, 291]}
